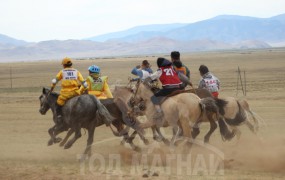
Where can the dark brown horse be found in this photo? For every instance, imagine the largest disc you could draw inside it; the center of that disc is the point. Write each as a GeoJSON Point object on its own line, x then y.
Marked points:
{"type": "Point", "coordinates": [84, 111]}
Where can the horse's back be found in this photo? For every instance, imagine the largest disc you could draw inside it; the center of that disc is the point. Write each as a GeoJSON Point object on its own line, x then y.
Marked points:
{"type": "Point", "coordinates": [187, 105]}
{"type": "Point", "coordinates": [83, 105]}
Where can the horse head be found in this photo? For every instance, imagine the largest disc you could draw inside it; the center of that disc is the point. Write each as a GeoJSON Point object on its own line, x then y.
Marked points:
{"type": "Point", "coordinates": [141, 95]}
{"type": "Point", "coordinates": [44, 105]}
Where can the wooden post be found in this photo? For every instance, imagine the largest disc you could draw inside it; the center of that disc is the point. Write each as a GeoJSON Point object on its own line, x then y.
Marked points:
{"type": "Point", "coordinates": [241, 81]}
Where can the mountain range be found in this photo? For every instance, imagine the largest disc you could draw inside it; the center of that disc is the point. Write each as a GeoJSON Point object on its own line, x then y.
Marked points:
{"type": "Point", "coordinates": [218, 33]}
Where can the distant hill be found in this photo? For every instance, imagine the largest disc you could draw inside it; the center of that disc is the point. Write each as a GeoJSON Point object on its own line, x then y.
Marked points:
{"type": "Point", "coordinates": [226, 28]}
{"type": "Point", "coordinates": [136, 30]}
{"type": "Point", "coordinates": [218, 33]}
{"type": "Point", "coordinates": [9, 41]}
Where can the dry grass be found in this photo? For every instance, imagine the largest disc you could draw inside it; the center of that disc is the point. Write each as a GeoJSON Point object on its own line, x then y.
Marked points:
{"type": "Point", "coordinates": [24, 154]}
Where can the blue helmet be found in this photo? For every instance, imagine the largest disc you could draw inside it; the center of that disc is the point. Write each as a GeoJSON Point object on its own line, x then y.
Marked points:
{"type": "Point", "coordinates": [94, 69]}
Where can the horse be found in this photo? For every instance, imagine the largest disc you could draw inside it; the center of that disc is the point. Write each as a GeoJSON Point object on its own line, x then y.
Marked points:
{"type": "Point", "coordinates": [237, 112]}
{"type": "Point", "coordinates": [180, 111]}
{"type": "Point", "coordinates": [118, 109]}
{"type": "Point", "coordinates": [127, 93]}
{"type": "Point", "coordinates": [83, 111]}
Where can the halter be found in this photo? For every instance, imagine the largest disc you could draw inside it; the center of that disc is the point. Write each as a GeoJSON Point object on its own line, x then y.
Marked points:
{"type": "Point", "coordinates": [133, 103]}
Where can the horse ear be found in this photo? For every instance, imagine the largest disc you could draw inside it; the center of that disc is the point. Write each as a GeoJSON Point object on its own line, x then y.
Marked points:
{"type": "Point", "coordinates": [44, 90]}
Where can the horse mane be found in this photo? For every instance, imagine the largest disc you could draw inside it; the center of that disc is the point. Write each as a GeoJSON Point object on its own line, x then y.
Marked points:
{"type": "Point", "coordinates": [55, 94]}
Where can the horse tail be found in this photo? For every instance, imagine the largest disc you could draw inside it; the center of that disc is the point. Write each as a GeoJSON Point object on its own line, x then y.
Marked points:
{"type": "Point", "coordinates": [102, 112]}
{"type": "Point", "coordinates": [227, 135]}
{"type": "Point", "coordinates": [221, 105]}
{"type": "Point", "coordinates": [239, 118]}
{"type": "Point", "coordinates": [202, 108]}
{"type": "Point", "coordinates": [244, 104]}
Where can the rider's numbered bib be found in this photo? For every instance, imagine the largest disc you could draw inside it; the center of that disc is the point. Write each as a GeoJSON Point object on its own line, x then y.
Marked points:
{"type": "Point", "coordinates": [168, 71]}
{"type": "Point", "coordinates": [211, 85]}
{"type": "Point", "coordinates": [69, 74]}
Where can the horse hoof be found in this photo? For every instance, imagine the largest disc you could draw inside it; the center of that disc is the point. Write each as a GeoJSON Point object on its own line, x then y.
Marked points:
{"type": "Point", "coordinates": [157, 138]}
{"type": "Point", "coordinates": [61, 144]}
{"type": "Point", "coordinates": [166, 142]}
{"type": "Point", "coordinates": [146, 142]}
{"type": "Point", "coordinates": [50, 142]}
{"type": "Point", "coordinates": [206, 141]}
{"type": "Point", "coordinates": [137, 149]}
{"type": "Point", "coordinates": [57, 140]}
{"type": "Point", "coordinates": [83, 158]}
{"type": "Point", "coordinates": [67, 146]}
{"type": "Point", "coordinates": [122, 142]}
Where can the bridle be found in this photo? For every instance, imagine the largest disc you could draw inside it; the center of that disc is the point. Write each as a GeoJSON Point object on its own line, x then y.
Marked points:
{"type": "Point", "coordinates": [136, 105]}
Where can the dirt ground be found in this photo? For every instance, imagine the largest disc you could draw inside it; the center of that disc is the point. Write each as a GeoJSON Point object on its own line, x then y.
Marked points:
{"type": "Point", "coordinates": [24, 153]}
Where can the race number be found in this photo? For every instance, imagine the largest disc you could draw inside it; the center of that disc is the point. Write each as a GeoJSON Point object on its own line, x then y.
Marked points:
{"type": "Point", "coordinates": [168, 72]}
{"type": "Point", "coordinates": [69, 74]}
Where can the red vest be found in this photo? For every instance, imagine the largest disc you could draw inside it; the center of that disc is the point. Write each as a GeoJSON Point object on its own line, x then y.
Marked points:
{"type": "Point", "coordinates": [169, 77]}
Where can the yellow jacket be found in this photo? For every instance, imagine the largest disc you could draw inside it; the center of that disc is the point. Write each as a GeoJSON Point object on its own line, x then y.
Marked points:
{"type": "Point", "coordinates": [71, 79]}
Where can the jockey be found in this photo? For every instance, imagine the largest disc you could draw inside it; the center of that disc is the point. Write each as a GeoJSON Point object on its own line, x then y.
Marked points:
{"type": "Point", "coordinates": [143, 71]}
{"type": "Point", "coordinates": [175, 56]}
{"type": "Point", "coordinates": [69, 86]}
{"type": "Point", "coordinates": [97, 84]}
{"type": "Point", "coordinates": [182, 73]}
{"type": "Point", "coordinates": [209, 81]}
{"type": "Point", "coordinates": [169, 80]}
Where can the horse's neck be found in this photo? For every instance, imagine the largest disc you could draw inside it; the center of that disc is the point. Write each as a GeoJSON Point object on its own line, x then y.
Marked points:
{"type": "Point", "coordinates": [122, 92]}
{"type": "Point", "coordinates": [146, 94]}
{"type": "Point", "coordinates": [52, 102]}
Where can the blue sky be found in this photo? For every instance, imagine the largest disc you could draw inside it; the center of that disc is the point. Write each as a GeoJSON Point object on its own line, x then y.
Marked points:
{"type": "Point", "coordinates": [39, 20]}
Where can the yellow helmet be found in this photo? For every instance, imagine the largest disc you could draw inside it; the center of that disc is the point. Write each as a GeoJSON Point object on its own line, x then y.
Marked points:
{"type": "Point", "coordinates": [66, 61]}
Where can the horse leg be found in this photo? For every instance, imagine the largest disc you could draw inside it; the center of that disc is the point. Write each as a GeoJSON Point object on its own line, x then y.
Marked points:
{"type": "Point", "coordinates": [145, 141]}
{"type": "Point", "coordinates": [186, 133]}
{"type": "Point", "coordinates": [250, 126]}
{"type": "Point", "coordinates": [76, 136]}
{"type": "Point", "coordinates": [91, 131]}
{"type": "Point", "coordinates": [130, 141]}
{"type": "Point", "coordinates": [52, 137]}
{"type": "Point", "coordinates": [237, 132]}
{"type": "Point", "coordinates": [196, 128]}
{"type": "Point", "coordinates": [69, 133]}
{"type": "Point", "coordinates": [175, 136]}
{"type": "Point", "coordinates": [165, 141]}
{"type": "Point", "coordinates": [213, 127]}
{"type": "Point", "coordinates": [256, 122]}
{"type": "Point", "coordinates": [155, 137]}
{"type": "Point", "coordinates": [53, 132]}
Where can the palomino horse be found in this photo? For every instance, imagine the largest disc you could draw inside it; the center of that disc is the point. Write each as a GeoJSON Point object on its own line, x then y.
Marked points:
{"type": "Point", "coordinates": [83, 111]}
{"type": "Point", "coordinates": [127, 93]}
{"type": "Point", "coordinates": [234, 113]}
{"type": "Point", "coordinates": [180, 111]}
{"type": "Point", "coordinates": [237, 112]}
